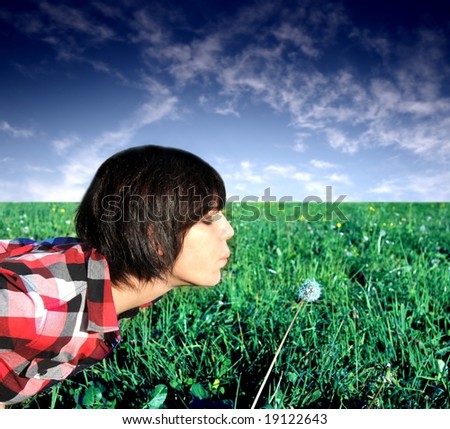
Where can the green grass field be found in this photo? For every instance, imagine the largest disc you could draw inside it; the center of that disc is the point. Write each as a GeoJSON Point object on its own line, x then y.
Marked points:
{"type": "Point", "coordinates": [379, 336]}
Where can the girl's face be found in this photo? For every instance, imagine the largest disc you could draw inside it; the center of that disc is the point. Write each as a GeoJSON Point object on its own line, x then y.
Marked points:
{"type": "Point", "coordinates": [205, 251]}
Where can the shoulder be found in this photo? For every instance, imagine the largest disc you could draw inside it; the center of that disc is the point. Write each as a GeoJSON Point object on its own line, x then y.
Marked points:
{"type": "Point", "coordinates": [54, 269]}
{"type": "Point", "coordinates": [37, 278]}
{"type": "Point", "coordinates": [23, 249]}
{"type": "Point", "coordinates": [9, 246]}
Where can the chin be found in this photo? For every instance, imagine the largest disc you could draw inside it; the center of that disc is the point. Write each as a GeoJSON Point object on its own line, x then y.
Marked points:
{"type": "Point", "coordinates": [211, 283]}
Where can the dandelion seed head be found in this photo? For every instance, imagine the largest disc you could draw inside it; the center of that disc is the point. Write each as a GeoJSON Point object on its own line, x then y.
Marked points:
{"type": "Point", "coordinates": [309, 291]}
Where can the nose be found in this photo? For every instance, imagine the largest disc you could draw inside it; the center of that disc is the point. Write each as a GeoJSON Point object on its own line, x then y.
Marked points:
{"type": "Point", "coordinates": [228, 229]}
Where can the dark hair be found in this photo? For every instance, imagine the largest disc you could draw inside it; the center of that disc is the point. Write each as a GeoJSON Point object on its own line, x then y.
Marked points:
{"type": "Point", "coordinates": [140, 204]}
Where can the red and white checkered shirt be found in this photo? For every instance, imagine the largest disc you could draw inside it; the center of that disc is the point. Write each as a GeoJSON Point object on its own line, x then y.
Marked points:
{"type": "Point", "coordinates": [57, 314]}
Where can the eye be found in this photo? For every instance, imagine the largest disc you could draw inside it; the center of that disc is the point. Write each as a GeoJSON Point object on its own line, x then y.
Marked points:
{"type": "Point", "coordinates": [207, 220]}
{"type": "Point", "coordinates": [211, 217]}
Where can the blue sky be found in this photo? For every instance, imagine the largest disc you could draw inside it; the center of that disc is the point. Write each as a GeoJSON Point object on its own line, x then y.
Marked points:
{"type": "Point", "coordinates": [293, 96]}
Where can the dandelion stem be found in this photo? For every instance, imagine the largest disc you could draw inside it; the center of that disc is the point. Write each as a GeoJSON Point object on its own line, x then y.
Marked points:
{"type": "Point", "coordinates": [300, 305]}
{"type": "Point", "coordinates": [376, 395]}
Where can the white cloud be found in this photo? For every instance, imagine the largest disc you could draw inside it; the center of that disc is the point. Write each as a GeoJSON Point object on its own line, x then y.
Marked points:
{"type": "Point", "coordinates": [201, 57]}
{"type": "Point", "coordinates": [377, 44]}
{"type": "Point", "coordinates": [61, 145]}
{"type": "Point", "coordinates": [246, 173]}
{"type": "Point", "coordinates": [288, 172]}
{"type": "Point", "coordinates": [82, 160]}
{"type": "Point", "coordinates": [302, 177]}
{"type": "Point", "coordinates": [296, 35]}
{"type": "Point", "coordinates": [14, 131]}
{"type": "Point", "coordinates": [340, 178]}
{"type": "Point", "coordinates": [146, 29]}
{"type": "Point", "coordinates": [299, 147]}
{"type": "Point", "coordinates": [67, 18]}
{"type": "Point", "coordinates": [316, 189]}
{"type": "Point", "coordinates": [51, 191]}
{"type": "Point", "coordinates": [253, 179]}
{"type": "Point", "coordinates": [396, 96]}
{"type": "Point", "coordinates": [152, 111]}
{"type": "Point", "coordinates": [266, 54]}
{"type": "Point", "coordinates": [227, 109]}
{"type": "Point", "coordinates": [322, 164]}
{"type": "Point", "coordinates": [386, 187]}
{"type": "Point", "coordinates": [39, 169]}
{"type": "Point", "coordinates": [421, 187]}
{"type": "Point", "coordinates": [280, 170]}
{"type": "Point", "coordinates": [339, 140]}
{"type": "Point", "coordinates": [277, 65]}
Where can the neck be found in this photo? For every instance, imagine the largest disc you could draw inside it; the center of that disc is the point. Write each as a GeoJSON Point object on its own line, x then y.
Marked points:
{"type": "Point", "coordinates": [135, 294]}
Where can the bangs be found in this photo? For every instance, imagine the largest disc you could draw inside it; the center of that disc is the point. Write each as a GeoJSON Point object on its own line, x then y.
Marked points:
{"type": "Point", "coordinates": [208, 194]}
{"type": "Point", "coordinates": [212, 202]}
{"type": "Point", "coordinates": [198, 204]}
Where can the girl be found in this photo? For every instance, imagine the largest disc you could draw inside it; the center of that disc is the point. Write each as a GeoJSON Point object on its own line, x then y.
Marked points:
{"type": "Point", "coordinates": [150, 221]}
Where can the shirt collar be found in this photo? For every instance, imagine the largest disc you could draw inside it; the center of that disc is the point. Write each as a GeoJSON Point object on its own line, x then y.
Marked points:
{"type": "Point", "coordinates": [102, 316]}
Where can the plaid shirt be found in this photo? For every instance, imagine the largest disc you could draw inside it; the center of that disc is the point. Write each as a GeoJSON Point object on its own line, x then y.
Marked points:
{"type": "Point", "coordinates": [57, 314]}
